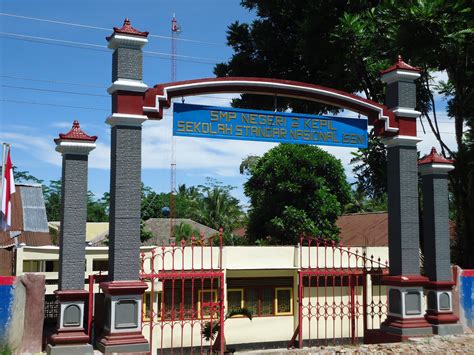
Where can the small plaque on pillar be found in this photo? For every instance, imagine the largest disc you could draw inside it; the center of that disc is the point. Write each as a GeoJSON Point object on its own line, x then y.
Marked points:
{"type": "Point", "coordinates": [126, 314]}
{"type": "Point", "coordinates": [444, 301]}
{"type": "Point", "coordinates": [412, 303]}
{"type": "Point", "coordinates": [72, 316]}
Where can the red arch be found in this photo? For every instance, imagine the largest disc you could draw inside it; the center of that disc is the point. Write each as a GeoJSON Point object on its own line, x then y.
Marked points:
{"type": "Point", "coordinates": [159, 97]}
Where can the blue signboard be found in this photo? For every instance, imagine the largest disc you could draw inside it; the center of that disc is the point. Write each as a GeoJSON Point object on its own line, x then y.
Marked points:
{"type": "Point", "coordinates": [266, 126]}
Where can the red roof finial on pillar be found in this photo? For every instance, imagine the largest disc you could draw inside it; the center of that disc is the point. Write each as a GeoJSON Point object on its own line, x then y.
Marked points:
{"type": "Point", "coordinates": [400, 65]}
{"type": "Point", "coordinates": [128, 29]}
{"type": "Point", "coordinates": [434, 158]}
{"type": "Point", "coordinates": [75, 134]}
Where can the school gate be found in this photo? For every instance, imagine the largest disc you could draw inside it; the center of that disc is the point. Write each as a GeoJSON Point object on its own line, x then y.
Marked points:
{"type": "Point", "coordinates": [133, 103]}
{"type": "Point", "coordinates": [339, 296]}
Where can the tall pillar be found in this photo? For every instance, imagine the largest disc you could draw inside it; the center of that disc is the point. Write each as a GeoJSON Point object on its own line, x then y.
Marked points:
{"type": "Point", "coordinates": [70, 336]}
{"type": "Point", "coordinates": [405, 284]}
{"type": "Point", "coordinates": [124, 291]}
{"type": "Point", "coordinates": [434, 174]}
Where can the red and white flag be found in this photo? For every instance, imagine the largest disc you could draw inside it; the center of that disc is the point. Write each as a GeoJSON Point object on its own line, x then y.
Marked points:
{"type": "Point", "coordinates": [7, 191]}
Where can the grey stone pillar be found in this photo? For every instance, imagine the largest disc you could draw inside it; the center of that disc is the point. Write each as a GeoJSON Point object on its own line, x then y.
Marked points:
{"type": "Point", "coordinates": [405, 284]}
{"type": "Point", "coordinates": [124, 291]}
{"type": "Point", "coordinates": [434, 174]}
{"type": "Point", "coordinates": [403, 221]}
{"type": "Point", "coordinates": [70, 336]}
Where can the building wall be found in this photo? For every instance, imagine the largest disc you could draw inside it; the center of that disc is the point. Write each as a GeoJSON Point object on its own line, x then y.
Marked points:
{"type": "Point", "coordinates": [6, 300]}
{"type": "Point", "coordinates": [465, 289]}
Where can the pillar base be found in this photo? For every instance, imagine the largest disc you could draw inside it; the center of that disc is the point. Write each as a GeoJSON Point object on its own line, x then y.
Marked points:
{"type": "Point", "coordinates": [405, 328]}
{"type": "Point", "coordinates": [84, 349]}
{"type": "Point", "coordinates": [447, 329]}
{"type": "Point", "coordinates": [405, 312]}
{"type": "Point", "coordinates": [123, 307]}
{"type": "Point", "coordinates": [123, 343]}
{"type": "Point", "coordinates": [70, 332]}
{"type": "Point", "coordinates": [440, 308]}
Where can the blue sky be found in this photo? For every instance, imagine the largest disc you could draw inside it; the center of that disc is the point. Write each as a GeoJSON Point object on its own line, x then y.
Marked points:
{"type": "Point", "coordinates": [30, 128]}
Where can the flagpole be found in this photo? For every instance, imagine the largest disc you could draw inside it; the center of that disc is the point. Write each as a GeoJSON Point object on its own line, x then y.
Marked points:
{"type": "Point", "coordinates": [3, 169]}
{"type": "Point", "coordinates": [4, 158]}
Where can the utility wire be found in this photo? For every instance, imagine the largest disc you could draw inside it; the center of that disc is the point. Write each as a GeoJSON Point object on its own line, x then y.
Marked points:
{"type": "Point", "coordinates": [52, 81]}
{"type": "Point", "coordinates": [103, 28]}
{"type": "Point", "coordinates": [51, 104]}
{"type": "Point", "coordinates": [81, 84]}
{"type": "Point", "coordinates": [50, 90]}
{"type": "Point", "coordinates": [105, 48]}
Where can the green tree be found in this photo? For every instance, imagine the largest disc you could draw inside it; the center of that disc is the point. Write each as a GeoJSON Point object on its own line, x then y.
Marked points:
{"type": "Point", "coordinates": [97, 209]}
{"type": "Point", "coordinates": [367, 36]}
{"type": "Point", "coordinates": [145, 234]}
{"type": "Point", "coordinates": [248, 164]}
{"type": "Point", "coordinates": [370, 169]}
{"type": "Point", "coordinates": [217, 208]}
{"type": "Point", "coordinates": [184, 231]}
{"type": "Point", "coordinates": [23, 176]}
{"type": "Point", "coordinates": [52, 199]}
{"type": "Point", "coordinates": [295, 189]}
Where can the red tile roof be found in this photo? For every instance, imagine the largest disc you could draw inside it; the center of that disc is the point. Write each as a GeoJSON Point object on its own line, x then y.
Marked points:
{"type": "Point", "coordinates": [434, 158]}
{"type": "Point", "coordinates": [129, 30]}
{"type": "Point", "coordinates": [364, 229]}
{"type": "Point", "coordinates": [400, 64]}
{"type": "Point", "coordinates": [76, 134]}
{"type": "Point", "coordinates": [369, 229]}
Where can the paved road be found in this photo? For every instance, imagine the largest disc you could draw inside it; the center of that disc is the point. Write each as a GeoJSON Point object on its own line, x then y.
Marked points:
{"type": "Point", "coordinates": [453, 344]}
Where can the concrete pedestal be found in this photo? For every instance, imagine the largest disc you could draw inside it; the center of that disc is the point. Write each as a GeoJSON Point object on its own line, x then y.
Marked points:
{"type": "Point", "coordinates": [440, 309]}
{"type": "Point", "coordinates": [123, 328]}
{"type": "Point", "coordinates": [70, 336]}
{"type": "Point", "coordinates": [406, 310]}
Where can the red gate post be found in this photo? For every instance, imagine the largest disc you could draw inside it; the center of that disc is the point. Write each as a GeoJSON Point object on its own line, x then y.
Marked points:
{"type": "Point", "coordinates": [364, 299]}
{"type": "Point", "coordinates": [300, 308]}
{"type": "Point", "coordinates": [352, 311]}
{"type": "Point", "coordinates": [91, 306]}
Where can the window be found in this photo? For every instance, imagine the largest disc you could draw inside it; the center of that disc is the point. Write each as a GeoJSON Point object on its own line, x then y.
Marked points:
{"type": "Point", "coordinates": [266, 301]}
{"type": "Point", "coordinates": [184, 300]}
{"type": "Point", "coordinates": [259, 300]}
{"type": "Point", "coordinates": [235, 299]}
{"type": "Point", "coordinates": [283, 301]}
{"type": "Point", "coordinates": [52, 265]}
{"type": "Point", "coordinates": [264, 297]}
{"type": "Point", "coordinates": [33, 266]}
{"type": "Point", "coordinates": [147, 315]}
{"type": "Point", "coordinates": [207, 303]}
{"type": "Point", "coordinates": [100, 265]}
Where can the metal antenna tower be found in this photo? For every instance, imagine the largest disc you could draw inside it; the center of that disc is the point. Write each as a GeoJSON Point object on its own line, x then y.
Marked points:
{"type": "Point", "coordinates": [175, 30]}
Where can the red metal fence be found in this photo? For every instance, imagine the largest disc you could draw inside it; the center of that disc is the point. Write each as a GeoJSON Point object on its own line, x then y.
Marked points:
{"type": "Point", "coordinates": [340, 295]}
{"type": "Point", "coordinates": [341, 298]}
{"type": "Point", "coordinates": [186, 294]}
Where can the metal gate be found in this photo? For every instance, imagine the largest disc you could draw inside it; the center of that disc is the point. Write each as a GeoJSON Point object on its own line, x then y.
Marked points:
{"type": "Point", "coordinates": [340, 295]}
{"type": "Point", "coordinates": [185, 295]}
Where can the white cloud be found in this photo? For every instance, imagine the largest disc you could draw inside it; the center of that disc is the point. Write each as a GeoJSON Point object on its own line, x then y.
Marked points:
{"type": "Point", "coordinates": [38, 147]}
